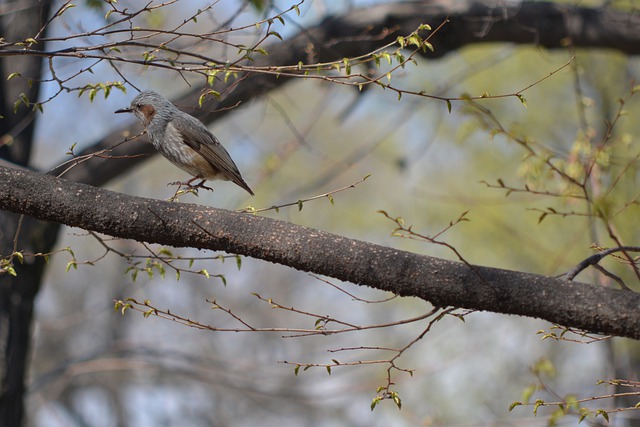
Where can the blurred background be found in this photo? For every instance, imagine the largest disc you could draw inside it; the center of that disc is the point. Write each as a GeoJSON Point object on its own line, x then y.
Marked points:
{"type": "Point", "coordinates": [92, 366]}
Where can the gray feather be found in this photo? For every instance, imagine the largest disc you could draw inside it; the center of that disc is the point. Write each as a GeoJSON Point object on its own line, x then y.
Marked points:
{"type": "Point", "coordinates": [198, 137]}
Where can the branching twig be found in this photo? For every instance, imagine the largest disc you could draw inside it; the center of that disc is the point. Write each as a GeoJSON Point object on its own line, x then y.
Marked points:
{"type": "Point", "coordinates": [299, 203]}
{"type": "Point", "coordinates": [594, 259]}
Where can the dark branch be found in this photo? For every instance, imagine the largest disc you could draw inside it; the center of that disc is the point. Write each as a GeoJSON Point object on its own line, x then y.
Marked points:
{"type": "Point", "coordinates": [441, 282]}
{"type": "Point", "coordinates": [594, 259]}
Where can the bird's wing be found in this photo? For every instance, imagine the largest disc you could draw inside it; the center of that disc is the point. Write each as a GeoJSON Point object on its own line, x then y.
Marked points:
{"type": "Point", "coordinates": [198, 137]}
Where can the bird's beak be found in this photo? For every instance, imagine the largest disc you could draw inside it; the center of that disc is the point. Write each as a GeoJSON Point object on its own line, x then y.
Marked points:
{"type": "Point", "coordinates": [124, 110]}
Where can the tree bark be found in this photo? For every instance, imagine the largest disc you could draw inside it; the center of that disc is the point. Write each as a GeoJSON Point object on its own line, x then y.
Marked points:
{"type": "Point", "coordinates": [443, 283]}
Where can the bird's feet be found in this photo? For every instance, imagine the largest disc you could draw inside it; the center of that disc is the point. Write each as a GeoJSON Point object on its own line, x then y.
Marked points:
{"type": "Point", "coordinates": [188, 187]}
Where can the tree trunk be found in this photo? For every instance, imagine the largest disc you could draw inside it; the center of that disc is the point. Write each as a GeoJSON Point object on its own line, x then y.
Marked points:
{"type": "Point", "coordinates": [17, 294]}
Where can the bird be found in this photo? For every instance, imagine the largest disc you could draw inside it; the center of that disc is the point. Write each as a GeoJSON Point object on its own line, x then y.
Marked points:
{"type": "Point", "coordinates": [185, 141]}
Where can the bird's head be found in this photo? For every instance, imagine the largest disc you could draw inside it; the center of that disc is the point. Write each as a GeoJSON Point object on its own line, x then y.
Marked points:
{"type": "Point", "coordinates": [146, 105]}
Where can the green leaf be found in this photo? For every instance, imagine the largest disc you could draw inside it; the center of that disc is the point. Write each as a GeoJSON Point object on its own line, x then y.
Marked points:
{"type": "Point", "coordinates": [12, 75]}
{"type": "Point", "coordinates": [522, 100]}
{"type": "Point", "coordinates": [165, 251]}
{"type": "Point", "coordinates": [70, 264]}
{"type": "Point", "coordinates": [415, 39]}
{"type": "Point", "coordinates": [513, 405]}
{"type": "Point", "coordinates": [397, 400]}
{"type": "Point", "coordinates": [275, 34]}
{"type": "Point", "coordinates": [543, 216]}
{"type": "Point", "coordinates": [572, 402]}
{"type": "Point", "coordinates": [299, 205]}
{"type": "Point", "coordinates": [22, 99]}
{"type": "Point", "coordinates": [347, 65]}
{"type": "Point", "coordinates": [20, 256]}
{"type": "Point", "coordinates": [538, 403]}
{"type": "Point", "coordinates": [544, 366]}
{"type": "Point", "coordinates": [329, 369]}
{"type": "Point", "coordinates": [528, 392]}
{"type": "Point", "coordinates": [375, 402]}
{"type": "Point", "coordinates": [64, 9]}
{"type": "Point", "coordinates": [604, 414]}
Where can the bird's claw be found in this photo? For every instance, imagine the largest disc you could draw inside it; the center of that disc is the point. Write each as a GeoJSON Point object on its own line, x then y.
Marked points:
{"type": "Point", "coordinates": [190, 186]}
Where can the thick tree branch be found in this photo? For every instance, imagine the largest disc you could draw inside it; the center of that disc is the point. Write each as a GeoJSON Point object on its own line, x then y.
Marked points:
{"type": "Point", "coordinates": [441, 282]}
